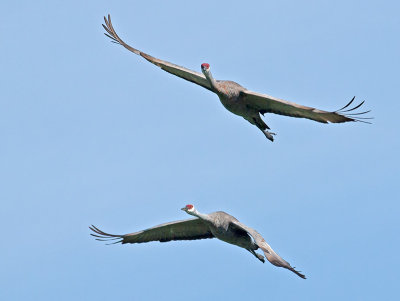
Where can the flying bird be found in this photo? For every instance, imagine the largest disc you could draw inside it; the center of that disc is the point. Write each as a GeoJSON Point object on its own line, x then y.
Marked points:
{"type": "Point", "coordinates": [240, 101]}
{"type": "Point", "coordinates": [218, 224]}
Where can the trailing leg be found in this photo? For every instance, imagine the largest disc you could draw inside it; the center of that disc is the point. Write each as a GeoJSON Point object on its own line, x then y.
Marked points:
{"type": "Point", "coordinates": [258, 256]}
{"type": "Point", "coordinates": [263, 127]}
{"type": "Point", "coordinates": [268, 135]}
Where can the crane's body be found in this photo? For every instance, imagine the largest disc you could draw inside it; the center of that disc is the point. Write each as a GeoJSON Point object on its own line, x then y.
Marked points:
{"type": "Point", "coordinates": [231, 95]}
{"type": "Point", "coordinates": [218, 224]}
{"type": "Point", "coordinates": [240, 101]}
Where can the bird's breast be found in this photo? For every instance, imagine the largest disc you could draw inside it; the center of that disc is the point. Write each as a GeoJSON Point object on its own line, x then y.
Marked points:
{"type": "Point", "coordinates": [234, 105]}
{"type": "Point", "coordinates": [230, 97]}
{"type": "Point", "coordinates": [229, 89]}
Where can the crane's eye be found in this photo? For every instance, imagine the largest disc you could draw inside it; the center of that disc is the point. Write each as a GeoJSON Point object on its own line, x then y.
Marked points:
{"type": "Point", "coordinates": [205, 66]}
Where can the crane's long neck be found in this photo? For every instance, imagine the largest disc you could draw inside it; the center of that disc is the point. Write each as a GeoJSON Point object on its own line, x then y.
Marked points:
{"type": "Point", "coordinates": [210, 79]}
{"type": "Point", "coordinates": [200, 215]}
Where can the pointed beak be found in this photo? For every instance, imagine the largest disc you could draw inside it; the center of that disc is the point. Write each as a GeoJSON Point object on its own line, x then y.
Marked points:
{"type": "Point", "coordinates": [184, 208]}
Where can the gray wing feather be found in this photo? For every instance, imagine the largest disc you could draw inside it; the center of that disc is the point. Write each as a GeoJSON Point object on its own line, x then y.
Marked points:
{"type": "Point", "coordinates": [268, 104]}
{"type": "Point", "coordinates": [189, 229]}
{"type": "Point", "coordinates": [189, 75]}
{"type": "Point", "coordinates": [269, 253]}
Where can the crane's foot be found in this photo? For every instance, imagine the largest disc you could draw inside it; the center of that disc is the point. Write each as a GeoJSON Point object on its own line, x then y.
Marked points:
{"type": "Point", "coordinates": [258, 256]}
{"type": "Point", "coordinates": [269, 135]}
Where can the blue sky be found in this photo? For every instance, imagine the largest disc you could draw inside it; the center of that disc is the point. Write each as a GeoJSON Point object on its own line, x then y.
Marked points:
{"type": "Point", "coordinates": [92, 134]}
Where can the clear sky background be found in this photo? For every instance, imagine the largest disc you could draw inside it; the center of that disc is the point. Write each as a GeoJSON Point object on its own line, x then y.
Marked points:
{"type": "Point", "coordinates": [93, 134]}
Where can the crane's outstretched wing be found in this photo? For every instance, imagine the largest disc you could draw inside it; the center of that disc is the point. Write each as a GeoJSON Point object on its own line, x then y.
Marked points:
{"type": "Point", "coordinates": [189, 229]}
{"type": "Point", "coordinates": [272, 257]}
{"type": "Point", "coordinates": [189, 75]}
{"type": "Point", "coordinates": [268, 104]}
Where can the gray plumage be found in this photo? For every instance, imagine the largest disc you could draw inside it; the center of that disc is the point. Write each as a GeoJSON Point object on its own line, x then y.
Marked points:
{"type": "Point", "coordinates": [218, 224]}
{"type": "Point", "coordinates": [240, 101]}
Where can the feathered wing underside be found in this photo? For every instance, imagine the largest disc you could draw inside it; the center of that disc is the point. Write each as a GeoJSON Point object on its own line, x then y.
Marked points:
{"type": "Point", "coordinates": [269, 253]}
{"type": "Point", "coordinates": [268, 104]}
{"type": "Point", "coordinates": [189, 229]}
{"type": "Point", "coordinates": [189, 75]}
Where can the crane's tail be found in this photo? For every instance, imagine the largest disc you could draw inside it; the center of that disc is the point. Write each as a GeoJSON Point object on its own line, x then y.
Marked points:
{"type": "Point", "coordinates": [103, 236]}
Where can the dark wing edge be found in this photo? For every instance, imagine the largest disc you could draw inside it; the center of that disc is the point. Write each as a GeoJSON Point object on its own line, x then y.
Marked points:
{"type": "Point", "coordinates": [298, 273]}
{"type": "Point", "coordinates": [354, 116]}
{"type": "Point", "coordinates": [268, 104]}
{"type": "Point", "coordinates": [190, 229]}
{"type": "Point", "coordinates": [108, 27]}
{"type": "Point", "coordinates": [182, 72]}
{"type": "Point", "coordinates": [103, 236]}
{"type": "Point", "coordinates": [269, 253]}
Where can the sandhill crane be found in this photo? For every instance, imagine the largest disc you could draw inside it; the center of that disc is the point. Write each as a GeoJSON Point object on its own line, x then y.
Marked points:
{"type": "Point", "coordinates": [238, 99]}
{"type": "Point", "coordinates": [218, 224]}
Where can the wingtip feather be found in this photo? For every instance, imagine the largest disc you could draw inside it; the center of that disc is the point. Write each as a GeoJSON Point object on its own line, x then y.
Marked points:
{"type": "Point", "coordinates": [298, 273]}
{"type": "Point", "coordinates": [352, 116]}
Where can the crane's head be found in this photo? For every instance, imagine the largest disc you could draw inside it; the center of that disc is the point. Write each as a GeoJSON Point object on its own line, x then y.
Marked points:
{"type": "Point", "coordinates": [205, 67]}
{"type": "Point", "coordinates": [188, 208]}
